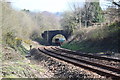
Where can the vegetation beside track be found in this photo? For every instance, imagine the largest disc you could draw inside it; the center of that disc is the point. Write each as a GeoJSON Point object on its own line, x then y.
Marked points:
{"type": "Point", "coordinates": [15, 65]}
{"type": "Point", "coordinates": [18, 28]}
{"type": "Point", "coordinates": [105, 39]}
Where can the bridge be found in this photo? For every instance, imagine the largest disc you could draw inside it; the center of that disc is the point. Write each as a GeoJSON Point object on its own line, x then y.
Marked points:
{"type": "Point", "coordinates": [48, 35]}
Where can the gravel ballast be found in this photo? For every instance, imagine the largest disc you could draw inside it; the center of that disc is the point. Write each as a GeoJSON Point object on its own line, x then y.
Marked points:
{"type": "Point", "coordinates": [60, 69]}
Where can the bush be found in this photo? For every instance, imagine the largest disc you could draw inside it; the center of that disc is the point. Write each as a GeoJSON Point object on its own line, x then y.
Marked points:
{"type": "Point", "coordinates": [10, 39]}
{"type": "Point", "coordinates": [98, 39]}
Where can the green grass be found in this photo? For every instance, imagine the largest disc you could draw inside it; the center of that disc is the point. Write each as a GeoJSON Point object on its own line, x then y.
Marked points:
{"type": "Point", "coordinates": [40, 41]}
{"type": "Point", "coordinates": [84, 46]}
{"type": "Point", "coordinates": [22, 50]}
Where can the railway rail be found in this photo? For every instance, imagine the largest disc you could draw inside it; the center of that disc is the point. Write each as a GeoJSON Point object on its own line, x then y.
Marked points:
{"type": "Point", "coordinates": [99, 59]}
{"type": "Point", "coordinates": [85, 55]}
{"type": "Point", "coordinates": [101, 69]}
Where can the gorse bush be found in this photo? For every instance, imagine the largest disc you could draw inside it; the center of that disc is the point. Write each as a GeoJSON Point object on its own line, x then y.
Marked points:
{"type": "Point", "coordinates": [10, 39]}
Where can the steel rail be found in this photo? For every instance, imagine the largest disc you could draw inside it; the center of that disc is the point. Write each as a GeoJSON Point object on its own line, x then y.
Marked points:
{"type": "Point", "coordinates": [88, 62]}
{"type": "Point", "coordinates": [78, 63]}
{"type": "Point", "coordinates": [86, 55]}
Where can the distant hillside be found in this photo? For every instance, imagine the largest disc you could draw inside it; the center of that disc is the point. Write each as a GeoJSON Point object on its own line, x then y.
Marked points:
{"type": "Point", "coordinates": [58, 14]}
{"type": "Point", "coordinates": [46, 20]}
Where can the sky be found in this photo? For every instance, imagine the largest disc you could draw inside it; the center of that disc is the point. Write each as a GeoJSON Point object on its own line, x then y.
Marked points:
{"type": "Point", "coordinates": [46, 5]}
{"type": "Point", "coordinates": [41, 5]}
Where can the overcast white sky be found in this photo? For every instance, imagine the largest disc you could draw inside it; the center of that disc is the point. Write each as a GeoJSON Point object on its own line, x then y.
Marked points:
{"type": "Point", "coordinates": [45, 5]}
{"type": "Point", "coordinates": [40, 5]}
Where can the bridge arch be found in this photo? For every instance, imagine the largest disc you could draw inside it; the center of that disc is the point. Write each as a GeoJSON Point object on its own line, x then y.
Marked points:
{"type": "Point", "coordinates": [48, 35]}
{"type": "Point", "coordinates": [60, 36]}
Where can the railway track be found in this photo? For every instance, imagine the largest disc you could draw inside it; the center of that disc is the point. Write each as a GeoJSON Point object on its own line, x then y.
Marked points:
{"type": "Point", "coordinates": [99, 59]}
{"type": "Point", "coordinates": [85, 55]}
{"type": "Point", "coordinates": [101, 69]}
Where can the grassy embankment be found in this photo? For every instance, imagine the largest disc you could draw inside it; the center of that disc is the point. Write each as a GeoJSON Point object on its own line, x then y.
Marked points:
{"type": "Point", "coordinates": [17, 27]}
{"type": "Point", "coordinates": [105, 39]}
{"type": "Point", "coordinates": [15, 65]}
